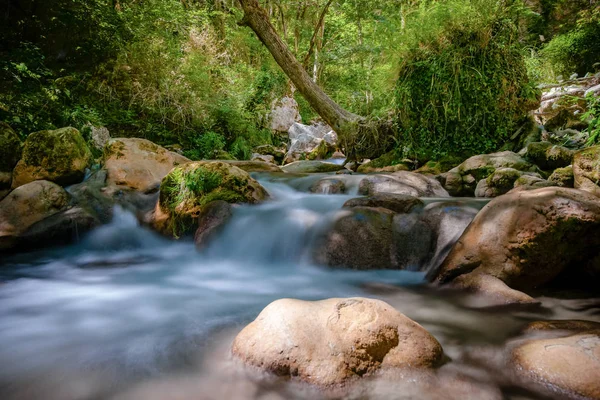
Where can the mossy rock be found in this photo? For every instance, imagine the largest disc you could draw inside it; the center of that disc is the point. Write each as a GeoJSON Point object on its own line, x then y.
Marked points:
{"type": "Point", "coordinates": [563, 177]}
{"type": "Point", "coordinates": [548, 156]}
{"type": "Point", "coordinates": [322, 152]}
{"type": "Point", "coordinates": [270, 150]}
{"type": "Point", "coordinates": [445, 164]}
{"type": "Point", "coordinates": [59, 156]}
{"type": "Point", "coordinates": [305, 167]}
{"type": "Point", "coordinates": [188, 188]}
{"type": "Point", "coordinates": [389, 162]}
{"type": "Point", "coordinates": [586, 170]}
{"type": "Point", "coordinates": [10, 148]}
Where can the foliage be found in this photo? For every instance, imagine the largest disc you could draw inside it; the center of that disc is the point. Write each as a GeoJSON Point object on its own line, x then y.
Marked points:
{"type": "Point", "coordinates": [592, 116]}
{"type": "Point", "coordinates": [463, 86]}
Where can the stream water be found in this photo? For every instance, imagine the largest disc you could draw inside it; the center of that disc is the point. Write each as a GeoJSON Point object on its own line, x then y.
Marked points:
{"type": "Point", "coordinates": [128, 314]}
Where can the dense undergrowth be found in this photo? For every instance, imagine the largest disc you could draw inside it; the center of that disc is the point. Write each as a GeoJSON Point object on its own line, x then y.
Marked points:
{"type": "Point", "coordinates": [456, 76]}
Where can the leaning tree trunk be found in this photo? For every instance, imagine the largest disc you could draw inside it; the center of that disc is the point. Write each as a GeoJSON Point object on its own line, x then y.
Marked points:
{"type": "Point", "coordinates": [344, 123]}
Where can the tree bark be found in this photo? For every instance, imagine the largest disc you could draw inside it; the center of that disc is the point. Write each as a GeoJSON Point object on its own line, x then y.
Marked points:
{"type": "Point", "coordinates": [343, 122]}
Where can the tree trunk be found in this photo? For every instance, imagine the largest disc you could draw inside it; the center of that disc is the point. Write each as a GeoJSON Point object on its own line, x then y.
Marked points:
{"type": "Point", "coordinates": [344, 123]}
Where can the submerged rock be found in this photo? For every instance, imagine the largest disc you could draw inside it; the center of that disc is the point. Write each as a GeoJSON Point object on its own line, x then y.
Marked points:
{"type": "Point", "coordinates": [212, 218]}
{"type": "Point", "coordinates": [59, 156]}
{"type": "Point", "coordinates": [586, 170]}
{"type": "Point", "coordinates": [27, 205]}
{"type": "Point", "coordinates": [329, 186]}
{"type": "Point", "coordinates": [306, 167]}
{"type": "Point", "coordinates": [187, 189]}
{"type": "Point", "coordinates": [334, 341]}
{"type": "Point", "coordinates": [402, 182]}
{"type": "Point", "coordinates": [526, 239]}
{"type": "Point", "coordinates": [138, 164]}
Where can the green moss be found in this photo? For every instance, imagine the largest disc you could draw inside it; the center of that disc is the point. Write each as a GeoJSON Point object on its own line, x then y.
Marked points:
{"type": "Point", "coordinates": [186, 189]}
{"type": "Point", "coordinates": [10, 148]}
{"type": "Point", "coordinates": [321, 152]}
{"type": "Point", "coordinates": [56, 151]}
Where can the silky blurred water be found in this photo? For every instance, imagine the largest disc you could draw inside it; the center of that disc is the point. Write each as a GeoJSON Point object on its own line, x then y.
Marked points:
{"type": "Point", "coordinates": [125, 309]}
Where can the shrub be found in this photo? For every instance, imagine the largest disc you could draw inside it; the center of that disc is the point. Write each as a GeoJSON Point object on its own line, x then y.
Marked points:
{"type": "Point", "coordinates": [463, 86]}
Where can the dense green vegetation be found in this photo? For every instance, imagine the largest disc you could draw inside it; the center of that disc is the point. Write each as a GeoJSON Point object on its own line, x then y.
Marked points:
{"type": "Point", "coordinates": [457, 76]}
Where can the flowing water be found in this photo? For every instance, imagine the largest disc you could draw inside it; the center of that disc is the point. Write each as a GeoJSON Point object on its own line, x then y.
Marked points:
{"type": "Point", "coordinates": [128, 314]}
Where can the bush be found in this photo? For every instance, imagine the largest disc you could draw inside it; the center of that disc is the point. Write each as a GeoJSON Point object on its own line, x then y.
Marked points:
{"type": "Point", "coordinates": [463, 86]}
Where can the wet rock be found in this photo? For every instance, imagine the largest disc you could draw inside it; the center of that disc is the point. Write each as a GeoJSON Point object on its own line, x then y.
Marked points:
{"type": "Point", "coordinates": [187, 189]}
{"type": "Point", "coordinates": [586, 170]}
{"type": "Point", "coordinates": [254, 166]}
{"type": "Point", "coordinates": [212, 218]}
{"type": "Point", "coordinates": [61, 228]}
{"type": "Point", "coordinates": [567, 366]}
{"type": "Point", "coordinates": [10, 153]}
{"type": "Point", "coordinates": [361, 238]}
{"type": "Point", "coordinates": [262, 158]}
{"type": "Point", "coordinates": [138, 164]}
{"type": "Point", "coordinates": [398, 203]}
{"type": "Point", "coordinates": [463, 180]}
{"type": "Point", "coordinates": [284, 114]}
{"type": "Point", "coordinates": [548, 156]}
{"type": "Point", "coordinates": [563, 177]}
{"type": "Point", "coordinates": [526, 239]}
{"type": "Point", "coordinates": [27, 205]}
{"type": "Point", "coordinates": [59, 156]}
{"type": "Point", "coordinates": [561, 325]}
{"type": "Point", "coordinates": [334, 341]}
{"type": "Point", "coordinates": [329, 186]}
{"type": "Point", "coordinates": [402, 182]}
{"type": "Point", "coordinates": [303, 167]}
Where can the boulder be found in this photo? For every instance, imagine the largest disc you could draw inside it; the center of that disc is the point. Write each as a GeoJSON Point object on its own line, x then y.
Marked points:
{"type": "Point", "coordinates": [262, 158]}
{"type": "Point", "coordinates": [463, 180]}
{"type": "Point", "coordinates": [134, 164]}
{"type": "Point", "coordinates": [389, 162]}
{"type": "Point", "coordinates": [97, 137]}
{"type": "Point", "coordinates": [548, 156]}
{"type": "Point", "coordinates": [329, 186]}
{"type": "Point", "coordinates": [567, 365]}
{"type": "Point", "coordinates": [530, 182]}
{"type": "Point", "coordinates": [305, 167]}
{"type": "Point", "coordinates": [284, 114]}
{"type": "Point", "coordinates": [187, 189]}
{"type": "Point", "coordinates": [360, 238]}
{"type": "Point", "coordinates": [304, 139]}
{"type": "Point", "coordinates": [501, 181]}
{"type": "Point", "coordinates": [27, 205]}
{"type": "Point", "coordinates": [525, 240]}
{"type": "Point", "coordinates": [59, 156]}
{"type": "Point", "coordinates": [402, 182]}
{"type": "Point", "coordinates": [586, 170]}
{"type": "Point", "coordinates": [278, 154]}
{"type": "Point", "coordinates": [212, 218]}
{"type": "Point", "coordinates": [398, 203]}
{"type": "Point", "coordinates": [387, 231]}
{"type": "Point", "coordinates": [10, 153]}
{"type": "Point", "coordinates": [335, 341]}
{"type": "Point", "coordinates": [253, 166]}
{"type": "Point", "coordinates": [569, 138]}
{"type": "Point", "coordinates": [563, 177]}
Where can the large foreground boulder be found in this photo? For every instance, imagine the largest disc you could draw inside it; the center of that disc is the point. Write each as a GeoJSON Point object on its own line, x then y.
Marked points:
{"type": "Point", "coordinates": [565, 360]}
{"type": "Point", "coordinates": [138, 164]}
{"type": "Point", "coordinates": [524, 240]}
{"type": "Point", "coordinates": [334, 341]}
{"type": "Point", "coordinates": [27, 205]}
{"type": "Point", "coordinates": [187, 189]}
{"type": "Point", "coordinates": [586, 170]}
{"type": "Point", "coordinates": [463, 180]}
{"type": "Point", "coordinates": [59, 156]}
{"type": "Point", "coordinates": [10, 153]}
{"type": "Point", "coordinates": [402, 182]}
